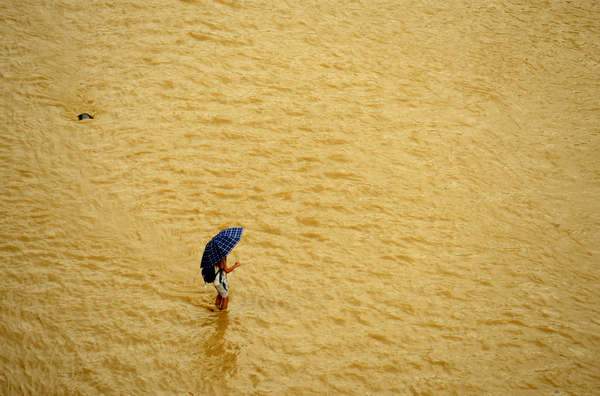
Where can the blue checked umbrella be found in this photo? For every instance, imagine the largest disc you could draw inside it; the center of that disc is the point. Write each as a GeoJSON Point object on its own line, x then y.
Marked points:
{"type": "Point", "coordinates": [218, 248]}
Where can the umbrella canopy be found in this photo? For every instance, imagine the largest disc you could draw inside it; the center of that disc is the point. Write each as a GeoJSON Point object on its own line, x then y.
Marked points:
{"type": "Point", "coordinates": [218, 248]}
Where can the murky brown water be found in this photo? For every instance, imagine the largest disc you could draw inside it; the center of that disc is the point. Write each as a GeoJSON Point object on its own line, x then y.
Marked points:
{"type": "Point", "coordinates": [418, 181]}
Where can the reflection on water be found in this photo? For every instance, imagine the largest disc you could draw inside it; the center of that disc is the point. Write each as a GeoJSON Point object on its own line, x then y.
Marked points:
{"type": "Point", "coordinates": [220, 348]}
{"type": "Point", "coordinates": [418, 184]}
{"type": "Point", "coordinates": [220, 355]}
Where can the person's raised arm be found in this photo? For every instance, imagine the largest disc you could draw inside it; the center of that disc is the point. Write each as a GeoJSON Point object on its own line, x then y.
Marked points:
{"type": "Point", "coordinates": [228, 270]}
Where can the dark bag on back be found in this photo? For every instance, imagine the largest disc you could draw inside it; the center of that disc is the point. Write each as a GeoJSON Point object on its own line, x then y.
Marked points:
{"type": "Point", "coordinates": [209, 274]}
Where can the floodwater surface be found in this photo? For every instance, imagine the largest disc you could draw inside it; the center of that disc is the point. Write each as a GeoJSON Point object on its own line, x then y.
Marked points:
{"type": "Point", "coordinates": [418, 183]}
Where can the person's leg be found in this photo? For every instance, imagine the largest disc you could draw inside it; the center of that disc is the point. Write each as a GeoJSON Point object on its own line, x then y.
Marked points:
{"type": "Point", "coordinates": [218, 300]}
{"type": "Point", "coordinates": [224, 303]}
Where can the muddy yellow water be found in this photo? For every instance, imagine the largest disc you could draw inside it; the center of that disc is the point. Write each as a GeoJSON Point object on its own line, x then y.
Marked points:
{"type": "Point", "coordinates": [418, 183]}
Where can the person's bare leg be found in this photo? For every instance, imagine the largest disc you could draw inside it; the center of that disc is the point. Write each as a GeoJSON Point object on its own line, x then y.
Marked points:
{"type": "Point", "coordinates": [218, 301]}
{"type": "Point", "coordinates": [224, 303]}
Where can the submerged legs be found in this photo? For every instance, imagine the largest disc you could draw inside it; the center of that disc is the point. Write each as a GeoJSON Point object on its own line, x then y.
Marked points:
{"type": "Point", "coordinates": [221, 302]}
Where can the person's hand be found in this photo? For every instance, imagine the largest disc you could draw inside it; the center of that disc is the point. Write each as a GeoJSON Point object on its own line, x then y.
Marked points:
{"type": "Point", "coordinates": [238, 263]}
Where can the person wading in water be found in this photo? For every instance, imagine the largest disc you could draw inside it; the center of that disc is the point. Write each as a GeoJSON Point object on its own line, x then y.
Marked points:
{"type": "Point", "coordinates": [221, 283]}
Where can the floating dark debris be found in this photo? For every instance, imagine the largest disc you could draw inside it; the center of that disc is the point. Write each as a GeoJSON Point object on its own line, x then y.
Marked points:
{"type": "Point", "coordinates": [85, 116]}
